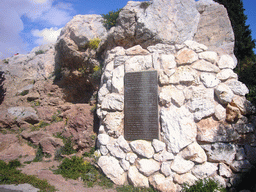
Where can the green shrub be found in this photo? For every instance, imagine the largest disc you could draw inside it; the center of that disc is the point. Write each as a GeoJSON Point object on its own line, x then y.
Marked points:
{"type": "Point", "coordinates": [9, 175]}
{"type": "Point", "coordinates": [39, 154]}
{"type": "Point", "coordinates": [94, 43]}
{"type": "Point", "coordinates": [67, 149]}
{"type": "Point", "coordinates": [110, 18]}
{"type": "Point", "coordinates": [205, 185]}
{"type": "Point", "coordinates": [23, 93]}
{"type": "Point", "coordinates": [130, 188]}
{"type": "Point", "coordinates": [6, 61]}
{"type": "Point", "coordinates": [39, 52]}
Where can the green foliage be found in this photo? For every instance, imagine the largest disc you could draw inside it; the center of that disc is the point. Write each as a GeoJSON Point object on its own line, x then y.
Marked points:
{"type": "Point", "coordinates": [206, 185]}
{"type": "Point", "coordinates": [89, 154]}
{"type": "Point", "coordinates": [110, 18]}
{"type": "Point", "coordinates": [67, 149]}
{"type": "Point", "coordinates": [41, 124]}
{"type": "Point", "coordinates": [96, 75]}
{"type": "Point", "coordinates": [23, 93]}
{"type": "Point", "coordinates": [94, 43]}
{"type": "Point", "coordinates": [130, 188]}
{"type": "Point", "coordinates": [6, 61]}
{"type": "Point", "coordinates": [56, 118]}
{"type": "Point", "coordinates": [39, 52]}
{"type": "Point", "coordinates": [39, 154]}
{"type": "Point", "coordinates": [9, 175]}
{"type": "Point", "coordinates": [75, 168]}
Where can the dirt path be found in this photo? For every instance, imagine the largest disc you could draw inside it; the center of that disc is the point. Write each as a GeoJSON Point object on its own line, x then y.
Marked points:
{"type": "Point", "coordinates": [42, 171]}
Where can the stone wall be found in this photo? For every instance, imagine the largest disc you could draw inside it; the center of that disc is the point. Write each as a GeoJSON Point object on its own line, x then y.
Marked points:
{"type": "Point", "coordinates": [202, 110]}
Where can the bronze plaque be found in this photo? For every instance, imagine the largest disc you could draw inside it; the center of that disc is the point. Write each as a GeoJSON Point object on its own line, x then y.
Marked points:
{"type": "Point", "coordinates": [141, 106]}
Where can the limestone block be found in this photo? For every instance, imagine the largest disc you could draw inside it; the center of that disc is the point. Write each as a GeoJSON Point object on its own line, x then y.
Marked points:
{"type": "Point", "coordinates": [205, 66]}
{"type": "Point", "coordinates": [181, 166]}
{"type": "Point", "coordinates": [204, 170]}
{"type": "Point", "coordinates": [220, 152]}
{"type": "Point", "coordinates": [202, 102]}
{"type": "Point", "coordinates": [113, 102]}
{"type": "Point", "coordinates": [238, 87]}
{"type": "Point", "coordinates": [225, 74]}
{"type": "Point", "coordinates": [242, 104]}
{"type": "Point", "coordinates": [168, 62]}
{"type": "Point", "coordinates": [136, 50]}
{"type": "Point", "coordinates": [125, 164]}
{"type": "Point", "coordinates": [162, 48]}
{"type": "Point", "coordinates": [138, 63]}
{"type": "Point", "coordinates": [187, 178]}
{"type": "Point", "coordinates": [179, 128]}
{"type": "Point", "coordinates": [159, 182]}
{"type": "Point", "coordinates": [148, 166]}
{"type": "Point", "coordinates": [111, 54]}
{"type": "Point", "coordinates": [233, 113]}
{"type": "Point", "coordinates": [136, 178]}
{"type": "Point", "coordinates": [118, 80]}
{"type": "Point", "coordinates": [131, 157]}
{"type": "Point", "coordinates": [116, 151]}
{"type": "Point", "coordinates": [166, 169]}
{"type": "Point", "coordinates": [158, 145]}
{"type": "Point", "coordinates": [250, 153]}
{"type": "Point", "coordinates": [194, 152]}
{"type": "Point", "coordinates": [186, 56]}
{"type": "Point", "coordinates": [103, 150]}
{"type": "Point", "coordinates": [103, 139]}
{"type": "Point", "coordinates": [220, 112]}
{"type": "Point", "coordinates": [170, 94]}
{"type": "Point", "coordinates": [209, 80]}
{"type": "Point", "coordinates": [163, 156]}
{"type": "Point", "coordinates": [226, 62]}
{"type": "Point", "coordinates": [120, 60]}
{"type": "Point", "coordinates": [224, 170]}
{"type": "Point", "coordinates": [224, 93]}
{"type": "Point", "coordinates": [103, 91]}
{"type": "Point", "coordinates": [241, 166]}
{"type": "Point", "coordinates": [113, 123]}
{"type": "Point", "coordinates": [143, 148]}
{"type": "Point", "coordinates": [21, 114]}
{"type": "Point", "coordinates": [209, 56]}
{"type": "Point", "coordinates": [197, 47]}
{"type": "Point", "coordinates": [183, 74]}
{"type": "Point", "coordinates": [111, 168]}
{"type": "Point", "coordinates": [123, 144]}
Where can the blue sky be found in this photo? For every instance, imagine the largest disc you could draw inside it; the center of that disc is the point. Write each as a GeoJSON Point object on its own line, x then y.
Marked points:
{"type": "Point", "coordinates": [25, 24]}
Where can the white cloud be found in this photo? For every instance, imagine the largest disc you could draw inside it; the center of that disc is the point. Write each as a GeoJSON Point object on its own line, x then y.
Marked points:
{"type": "Point", "coordinates": [46, 35]}
{"type": "Point", "coordinates": [43, 12]}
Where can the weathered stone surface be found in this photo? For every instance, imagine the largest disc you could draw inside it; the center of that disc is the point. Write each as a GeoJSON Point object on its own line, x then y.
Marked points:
{"type": "Point", "coordinates": [224, 93]}
{"type": "Point", "coordinates": [205, 170]}
{"type": "Point", "coordinates": [194, 152]}
{"type": "Point", "coordinates": [113, 123]}
{"type": "Point", "coordinates": [103, 139]}
{"type": "Point", "coordinates": [163, 156]}
{"type": "Point", "coordinates": [116, 151]}
{"type": "Point", "coordinates": [158, 145]}
{"type": "Point", "coordinates": [113, 102]}
{"type": "Point", "coordinates": [250, 153]}
{"type": "Point", "coordinates": [220, 112]}
{"type": "Point", "coordinates": [117, 81]}
{"type": "Point", "coordinates": [183, 74]}
{"type": "Point", "coordinates": [49, 144]}
{"type": "Point", "coordinates": [143, 148]}
{"type": "Point", "coordinates": [110, 166]}
{"type": "Point", "coordinates": [136, 50]}
{"type": "Point", "coordinates": [168, 62]}
{"type": "Point", "coordinates": [242, 104]}
{"type": "Point", "coordinates": [179, 128]}
{"type": "Point", "coordinates": [138, 63]}
{"type": "Point", "coordinates": [209, 56]}
{"type": "Point", "coordinates": [170, 94]}
{"type": "Point", "coordinates": [209, 80]}
{"type": "Point", "coordinates": [210, 131]}
{"type": "Point", "coordinates": [35, 136]}
{"type": "Point", "coordinates": [125, 164]}
{"type": "Point", "coordinates": [220, 152]}
{"type": "Point", "coordinates": [243, 128]}
{"type": "Point", "coordinates": [147, 29]}
{"type": "Point", "coordinates": [225, 74]}
{"type": "Point", "coordinates": [123, 144]}
{"type": "Point", "coordinates": [202, 102]}
{"type": "Point", "coordinates": [131, 157]}
{"type": "Point", "coordinates": [238, 87]}
{"type": "Point", "coordinates": [148, 166]}
{"type": "Point", "coordinates": [226, 62]}
{"type": "Point", "coordinates": [136, 178]}
{"type": "Point", "coordinates": [103, 150]}
{"type": "Point", "coordinates": [241, 166]}
{"type": "Point", "coordinates": [197, 47]}
{"type": "Point", "coordinates": [166, 169]}
{"type": "Point", "coordinates": [224, 170]}
{"type": "Point", "coordinates": [181, 166]}
{"type": "Point", "coordinates": [187, 178]}
{"type": "Point", "coordinates": [205, 66]}
{"type": "Point", "coordinates": [186, 56]}
{"type": "Point", "coordinates": [214, 29]}
{"type": "Point", "coordinates": [159, 182]}
{"type": "Point", "coordinates": [21, 114]}
{"type": "Point", "coordinates": [233, 113]}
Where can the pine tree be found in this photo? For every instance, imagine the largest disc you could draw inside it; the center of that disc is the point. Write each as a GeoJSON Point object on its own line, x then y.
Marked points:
{"type": "Point", "coordinates": [244, 44]}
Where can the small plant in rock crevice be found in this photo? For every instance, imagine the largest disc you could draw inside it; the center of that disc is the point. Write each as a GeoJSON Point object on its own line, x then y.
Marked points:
{"type": "Point", "coordinates": [39, 52]}
{"type": "Point", "coordinates": [94, 43]}
{"type": "Point", "coordinates": [110, 18]}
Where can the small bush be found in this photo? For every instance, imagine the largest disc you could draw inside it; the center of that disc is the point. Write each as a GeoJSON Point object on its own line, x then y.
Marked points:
{"type": "Point", "coordinates": [67, 149]}
{"type": "Point", "coordinates": [56, 118]}
{"type": "Point", "coordinates": [129, 188]}
{"type": "Point", "coordinates": [6, 61]}
{"type": "Point", "coordinates": [23, 93]}
{"type": "Point", "coordinates": [39, 52]}
{"type": "Point", "coordinates": [110, 18]}
{"type": "Point", "coordinates": [9, 175]}
{"type": "Point", "coordinates": [206, 185]}
{"type": "Point", "coordinates": [39, 154]}
{"type": "Point", "coordinates": [94, 43]}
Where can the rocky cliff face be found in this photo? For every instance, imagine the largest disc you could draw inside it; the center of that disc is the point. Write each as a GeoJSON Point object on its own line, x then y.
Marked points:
{"type": "Point", "coordinates": [205, 129]}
